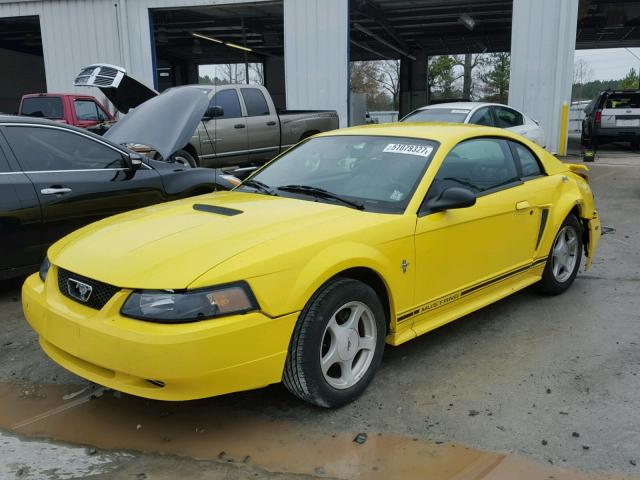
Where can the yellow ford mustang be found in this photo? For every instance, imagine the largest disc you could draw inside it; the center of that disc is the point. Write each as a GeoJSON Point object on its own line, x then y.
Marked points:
{"type": "Point", "coordinates": [348, 241]}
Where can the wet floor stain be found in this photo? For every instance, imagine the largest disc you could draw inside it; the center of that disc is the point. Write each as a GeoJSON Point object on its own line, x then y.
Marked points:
{"type": "Point", "coordinates": [206, 430]}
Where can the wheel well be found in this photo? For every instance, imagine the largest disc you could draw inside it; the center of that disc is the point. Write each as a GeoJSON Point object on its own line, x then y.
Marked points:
{"type": "Point", "coordinates": [371, 278]}
{"type": "Point", "coordinates": [308, 134]}
{"type": "Point", "coordinates": [192, 151]}
{"type": "Point", "coordinates": [584, 223]}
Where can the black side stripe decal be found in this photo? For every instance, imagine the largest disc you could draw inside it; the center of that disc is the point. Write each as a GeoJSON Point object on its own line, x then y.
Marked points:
{"type": "Point", "coordinates": [442, 301]}
{"type": "Point", "coordinates": [543, 224]}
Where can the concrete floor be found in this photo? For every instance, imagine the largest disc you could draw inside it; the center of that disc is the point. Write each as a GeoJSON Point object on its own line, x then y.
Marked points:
{"type": "Point", "coordinates": [551, 379]}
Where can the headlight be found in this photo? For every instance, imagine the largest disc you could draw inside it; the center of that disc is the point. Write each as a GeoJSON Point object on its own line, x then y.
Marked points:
{"type": "Point", "coordinates": [44, 268]}
{"type": "Point", "coordinates": [167, 306]}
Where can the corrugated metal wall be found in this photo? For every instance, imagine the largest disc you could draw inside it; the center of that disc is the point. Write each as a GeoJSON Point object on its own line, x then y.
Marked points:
{"type": "Point", "coordinates": [543, 42]}
{"type": "Point", "coordinates": [316, 50]}
{"type": "Point", "coordinates": [76, 33]}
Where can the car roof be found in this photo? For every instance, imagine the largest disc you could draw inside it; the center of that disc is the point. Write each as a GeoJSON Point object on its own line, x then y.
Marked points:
{"type": "Point", "coordinates": [440, 132]}
{"type": "Point", "coordinates": [460, 105]}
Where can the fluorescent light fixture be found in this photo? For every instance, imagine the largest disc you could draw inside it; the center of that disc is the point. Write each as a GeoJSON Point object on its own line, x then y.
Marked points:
{"type": "Point", "coordinates": [239, 47]}
{"type": "Point", "coordinates": [467, 21]}
{"type": "Point", "coordinates": [206, 37]}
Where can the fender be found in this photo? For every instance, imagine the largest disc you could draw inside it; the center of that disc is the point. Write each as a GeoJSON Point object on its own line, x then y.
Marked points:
{"type": "Point", "coordinates": [330, 262]}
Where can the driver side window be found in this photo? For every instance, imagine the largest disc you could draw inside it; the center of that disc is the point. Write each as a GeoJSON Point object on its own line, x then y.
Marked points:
{"type": "Point", "coordinates": [229, 102]}
{"type": "Point", "coordinates": [480, 165]}
{"type": "Point", "coordinates": [47, 149]}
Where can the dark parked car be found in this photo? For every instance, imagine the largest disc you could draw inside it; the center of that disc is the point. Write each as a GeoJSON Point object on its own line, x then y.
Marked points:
{"type": "Point", "coordinates": [612, 116]}
{"type": "Point", "coordinates": [56, 178]}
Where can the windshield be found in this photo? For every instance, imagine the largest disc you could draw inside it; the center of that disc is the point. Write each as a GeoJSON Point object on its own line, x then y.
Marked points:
{"type": "Point", "coordinates": [380, 173]}
{"type": "Point", "coordinates": [450, 115]}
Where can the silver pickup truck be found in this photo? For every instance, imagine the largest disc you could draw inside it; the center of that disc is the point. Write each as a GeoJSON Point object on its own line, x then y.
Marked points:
{"type": "Point", "coordinates": [240, 127]}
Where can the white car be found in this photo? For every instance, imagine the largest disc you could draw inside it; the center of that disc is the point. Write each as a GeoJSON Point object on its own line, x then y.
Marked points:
{"type": "Point", "coordinates": [480, 113]}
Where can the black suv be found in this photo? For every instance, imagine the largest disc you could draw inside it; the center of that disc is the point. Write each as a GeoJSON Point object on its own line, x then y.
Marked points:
{"type": "Point", "coordinates": [612, 116]}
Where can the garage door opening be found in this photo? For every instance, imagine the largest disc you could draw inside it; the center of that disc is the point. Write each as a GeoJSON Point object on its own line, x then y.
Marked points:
{"type": "Point", "coordinates": [221, 44]}
{"type": "Point", "coordinates": [22, 60]}
{"type": "Point", "coordinates": [395, 43]}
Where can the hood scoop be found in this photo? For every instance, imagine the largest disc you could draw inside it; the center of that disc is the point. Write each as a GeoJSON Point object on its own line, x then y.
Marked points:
{"type": "Point", "coordinates": [228, 212]}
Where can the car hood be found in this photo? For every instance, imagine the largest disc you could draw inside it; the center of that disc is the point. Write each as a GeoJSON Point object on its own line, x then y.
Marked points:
{"type": "Point", "coordinates": [165, 123]}
{"type": "Point", "coordinates": [170, 245]}
{"type": "Point", "coordinates": [123, 91]}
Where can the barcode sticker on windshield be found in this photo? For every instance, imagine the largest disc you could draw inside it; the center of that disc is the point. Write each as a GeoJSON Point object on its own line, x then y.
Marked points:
{"type": "Point", "coordinates": [420, 150]}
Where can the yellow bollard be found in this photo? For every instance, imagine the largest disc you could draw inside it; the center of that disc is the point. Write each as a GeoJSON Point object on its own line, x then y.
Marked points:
{"type": "Point", "coordinates": [564, 121]}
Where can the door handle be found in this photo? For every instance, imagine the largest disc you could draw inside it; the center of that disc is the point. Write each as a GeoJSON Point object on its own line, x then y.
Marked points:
{"type": "Point", "coordinates": [271, 124]}
{"type": "Point", "coordinates": [55, 190]}
{"type": "Point", "coordinates": [239, 125]}
{"type": "Point", "coordinates": [522, 205]}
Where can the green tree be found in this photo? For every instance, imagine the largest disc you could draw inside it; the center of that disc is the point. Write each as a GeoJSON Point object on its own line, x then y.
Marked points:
{"type": "Point", "coordinates": [442, 76]}
{"type": "Point", "coordinates": [496, 78]}
{"type": "Point", "coordinates": [630, 81]}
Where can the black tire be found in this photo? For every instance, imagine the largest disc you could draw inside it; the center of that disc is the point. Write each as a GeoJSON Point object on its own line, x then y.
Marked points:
{"type": "Point", "coordinates": [184, 158]}
{"type": "Point", "coordinates": [552, 284]}
{"type": "Point", "coordinates": [303, 374]}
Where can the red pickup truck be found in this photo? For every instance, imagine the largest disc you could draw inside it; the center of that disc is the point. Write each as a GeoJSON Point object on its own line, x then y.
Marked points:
{"type": "Point", "coordinates": [82, 111]}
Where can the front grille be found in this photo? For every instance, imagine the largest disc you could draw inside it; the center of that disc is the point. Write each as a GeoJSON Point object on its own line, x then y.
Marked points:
{"type": "Point", "coordinates": [101, 292]}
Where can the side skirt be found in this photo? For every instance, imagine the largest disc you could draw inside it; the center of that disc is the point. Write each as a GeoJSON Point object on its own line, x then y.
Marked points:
{"type": "Point", "coordinates": [443, 310]}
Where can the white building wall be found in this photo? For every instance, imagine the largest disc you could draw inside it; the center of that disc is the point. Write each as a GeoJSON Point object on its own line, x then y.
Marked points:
{"type": "Point", "coordinates": [543, 42]}
{"type": "Point", "coordinates": [77, 33]}
{"type": "Point", "coordinates": [316, 50]}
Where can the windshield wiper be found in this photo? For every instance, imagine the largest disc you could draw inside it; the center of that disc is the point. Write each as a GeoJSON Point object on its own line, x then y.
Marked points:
{"type": "Point", "coordinates": [320, 193]}
{"type": "Point", "coordinates": [259, 186]}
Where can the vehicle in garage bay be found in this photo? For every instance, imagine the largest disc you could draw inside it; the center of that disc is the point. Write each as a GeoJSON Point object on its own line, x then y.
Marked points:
{"type": "Point", "coordinates": [612, 116]}
{"type": "Point", "coordinates": [240, 127]}
{"type": "Point", "coordinates": [481, 113]}
{"type": "Point", "coordinates": [82, 111]}
{"type": "Point", "coordinates": [55, 179]}
{"type": "Point", "coordinates": [301, 274]}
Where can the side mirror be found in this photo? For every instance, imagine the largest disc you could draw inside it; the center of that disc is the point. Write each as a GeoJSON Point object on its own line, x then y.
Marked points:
{"type": "Point", "coordinates": [213, 112]}
{"type": "Point", "coordinates": [135, 162]}
{"type": "Point", "coordinates": [454, 197]}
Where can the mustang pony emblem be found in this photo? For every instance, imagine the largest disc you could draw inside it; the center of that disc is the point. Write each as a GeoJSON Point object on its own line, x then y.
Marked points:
{"type": "Point", "coordinates": [79, 290]}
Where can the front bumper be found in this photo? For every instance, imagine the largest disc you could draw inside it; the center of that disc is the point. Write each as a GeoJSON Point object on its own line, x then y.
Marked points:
{"type": "Point", "coordinates": [165, 362]}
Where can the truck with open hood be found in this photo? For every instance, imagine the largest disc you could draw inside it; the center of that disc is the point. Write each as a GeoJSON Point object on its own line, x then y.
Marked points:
{"type": "Point", "coordinates": [230, 125]}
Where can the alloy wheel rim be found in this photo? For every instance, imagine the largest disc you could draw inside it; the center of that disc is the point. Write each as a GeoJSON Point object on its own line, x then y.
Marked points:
{"type": "Point", "coordinates": [348, 345]}
{"type": "Point", "coordinates": [565, 254]}
{"type": "Point", "coordinates": [182, 161]}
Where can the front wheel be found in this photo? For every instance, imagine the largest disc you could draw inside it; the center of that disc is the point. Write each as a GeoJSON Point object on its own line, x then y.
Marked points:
{"type": "Point", "coordinates": [183, 158]}
{"type": "Point", "coordinates": [564, 259]}
{"type": "Point", "coordinates": [337, 344]}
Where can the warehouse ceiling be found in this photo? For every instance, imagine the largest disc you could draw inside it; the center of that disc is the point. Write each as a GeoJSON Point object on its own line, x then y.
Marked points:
{"type": "Point", "coordinates": [607, 24]}
{"type": "Point", "coordinates": [378, 28]}
{"type": "Point", "coordinates": [391, 28]}
{"type": "Point", "coordinates": [203, 34]}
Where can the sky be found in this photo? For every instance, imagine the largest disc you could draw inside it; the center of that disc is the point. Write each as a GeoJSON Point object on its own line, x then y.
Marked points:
{"type": "Point", "coordinates": [609, 63]}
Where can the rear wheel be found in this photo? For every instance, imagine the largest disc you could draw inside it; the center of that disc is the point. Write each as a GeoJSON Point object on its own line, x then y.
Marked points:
{"type": "Point", "coordinates": [564, 259]}
{"type": "Point", "coordinates": [337, 344]}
